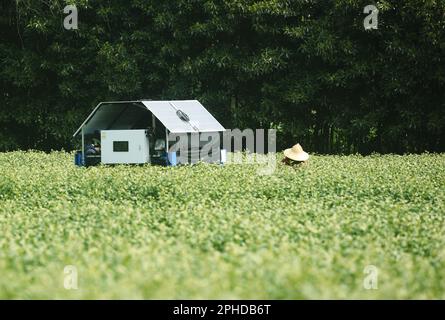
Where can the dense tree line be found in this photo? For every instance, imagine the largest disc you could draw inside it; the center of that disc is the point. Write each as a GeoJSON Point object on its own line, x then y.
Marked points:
{"type": "Point", "coordinates": [306, 68]}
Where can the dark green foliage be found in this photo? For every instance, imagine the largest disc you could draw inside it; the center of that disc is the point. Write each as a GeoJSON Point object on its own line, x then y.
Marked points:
{"type": "Point", "coordinates": [306, 68]}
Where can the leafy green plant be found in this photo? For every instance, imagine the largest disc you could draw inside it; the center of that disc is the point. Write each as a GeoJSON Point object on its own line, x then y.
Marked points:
{"type": "Point", "coordinates": [209, 231]}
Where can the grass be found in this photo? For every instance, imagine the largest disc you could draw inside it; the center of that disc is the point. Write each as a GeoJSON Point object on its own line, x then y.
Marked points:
{"type": "Point", "coordinates": [210, 231]}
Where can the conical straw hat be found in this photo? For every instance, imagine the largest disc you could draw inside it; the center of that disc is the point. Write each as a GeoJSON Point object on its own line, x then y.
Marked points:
{"type": "Point", "coordinates": [296, 153]}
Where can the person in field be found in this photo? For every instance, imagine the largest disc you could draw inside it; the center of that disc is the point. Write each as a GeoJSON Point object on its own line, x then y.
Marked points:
{"type": "Point", "coordinates": [295, 155]}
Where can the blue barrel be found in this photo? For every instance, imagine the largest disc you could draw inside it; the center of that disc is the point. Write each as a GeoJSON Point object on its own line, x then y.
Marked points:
{"type": "Point", "coordinates": [78, 159]}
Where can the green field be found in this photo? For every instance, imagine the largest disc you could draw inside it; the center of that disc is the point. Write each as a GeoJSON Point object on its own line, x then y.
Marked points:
{"type": "Point", "coordinates": [209, 231]}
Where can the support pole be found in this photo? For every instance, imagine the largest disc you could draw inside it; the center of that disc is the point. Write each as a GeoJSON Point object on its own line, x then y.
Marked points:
{"type": "Point", "coordinates": [83, 147]}
{"type": "Point", "coordinates": [166, 140]}
{"type": "Point", "coordinates": [167, 154]}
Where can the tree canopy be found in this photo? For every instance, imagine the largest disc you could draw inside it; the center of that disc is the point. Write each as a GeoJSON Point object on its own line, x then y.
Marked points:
{"type": "Point", "coordinates": [306, 68]}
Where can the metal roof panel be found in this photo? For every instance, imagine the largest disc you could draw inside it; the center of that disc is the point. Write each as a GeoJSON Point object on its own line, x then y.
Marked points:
{"type": "Point", "coordinates": [197, 118]}
{"type": "Point", "coordinates": [200, 120]}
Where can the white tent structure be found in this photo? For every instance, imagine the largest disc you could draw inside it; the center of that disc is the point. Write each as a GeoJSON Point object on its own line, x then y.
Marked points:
{"type": "Point", "coordinates": [120, 126]}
